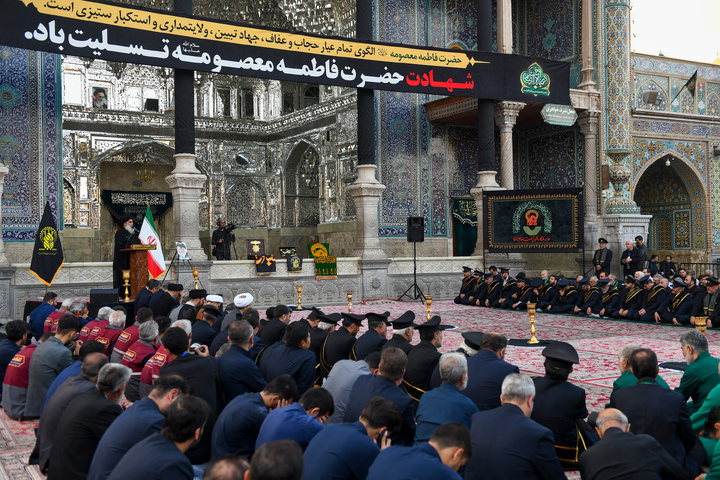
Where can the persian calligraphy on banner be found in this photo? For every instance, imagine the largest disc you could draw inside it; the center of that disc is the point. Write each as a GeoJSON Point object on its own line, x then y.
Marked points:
{"type": "Point", "coordinates": [534, 220]}
{"type": "Point", "coordinates": [325, 264]}
{"type": "Point", "coordinates": [130, 34]}
{"type": "Point", "coordinates": [120, 203]}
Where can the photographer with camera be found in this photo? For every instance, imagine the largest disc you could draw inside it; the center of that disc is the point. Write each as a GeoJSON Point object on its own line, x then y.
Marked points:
{"type": "Point", "coordinates": [222, 237]}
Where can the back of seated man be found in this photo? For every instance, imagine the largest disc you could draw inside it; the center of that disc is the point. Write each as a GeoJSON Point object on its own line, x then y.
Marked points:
{"type": "Point", "coordinates": [346, 450]}
{"type": "Point", "coordinates": [658, 412]}
{"type": "Point", "coordinates": [17, 378]}
{"type": "Point", "coordinates": [342, 378]}
{"type": "Point", "coordinates": [621, 454]}
{"type": "Point", "coordinates": [142, 419]}
{"type": "Point", "coordinates": [701, 374]}
{"type": "Point", "coordinates": [226, 467]}
{"type": "Point", "coordinates": [486, 371]}
{"type": "Point", "coordinates": [448, 449]}
{"type": "Point", "coordinates": [238, 372]}
{"type": "Point", "coordinates": [161, 456]}
{"type": "Point", "coordinates": [299, 421]}
{"type": "Point", "coordinates": [239, 423]}
{"type": "Point", "coordinates": [281, 460]}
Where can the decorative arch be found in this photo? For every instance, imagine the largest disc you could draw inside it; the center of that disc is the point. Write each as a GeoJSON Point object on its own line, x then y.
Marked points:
{"type": "Point", "coordinates": [678, 193]}
{"type": "Point", "coordinates": [69, 202]}
{"type": "Point", "coordinates": [652, 86]}
{"type": "Point", "coordinates": [302, 186]}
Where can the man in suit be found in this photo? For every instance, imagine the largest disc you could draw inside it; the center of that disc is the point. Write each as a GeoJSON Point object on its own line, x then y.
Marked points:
{"type": "Point", "coordinates": [165, 300]}
{"type": "Point", "coordinates": [84, 422]}
{"type": "Point", "coordinates": [467, 287]}
{"type": "Point", "coordinates": [375, 337]}
{"type": "Point", "coordinates": [48, 360]}
{"type": "Point", "coordinates": [139, 421]}
{"type": "Point", "coordinates": [327, 455]}
{"type": "Point", "coordinates": [621, 454]}
{"type": "Point", "coordinates": [238, 372]}
{"type": "Point", "coordinates": [630, 259]}
{"type": "Point", "coordinates": [560, 405]}
{"type": "Point", "coordinates": [275, 328]}
{"type": "Point", "coordinates": [203, 331]}
{"type": "Point", "coordinates": [440, 458]}
{"type": "Point", "coordinates": [161, 456]}
{"type": "Point", "coordinates": [487, 370]}
{"type": "Point", "coordinates": [341, 380]}
{"type": "Point", "coordinates": [142, 298]}
{"type": "Point", "coordinates": [385, 384]}
{"type": "Point", "coordinates": [507, 444]}
{"type": "Point", "coordinates": [43, 311]}
{"type": "Point", "coordinates": [291, 357]}
{"type": "Point", "coordinates": [659, 412]}
{"type": "Point", "coordinates": [667, 268]}
{"type": "Point", "coordinates": [677, 307]}
{"type": "Point", "coordinates": [56, 405]}
{"type": "Point", "coordinates": [238, 425]}
{"type": "Point", "coordinates": [602, 257]}
{"type": "Point", "coordinates": [445, 403]}
{"type": "Point", "coordinates": [201, 372]}
{"type": "Point", "coordinates": [701, 374]}
{"type": "Point", "coordinates": [423, 358]}
{"type": "Point", "coordinates": [708, 304]}
{"type": "Point", "coordinates": [403, 329]}
{"type": "Point", "coordinates": [339, 343]}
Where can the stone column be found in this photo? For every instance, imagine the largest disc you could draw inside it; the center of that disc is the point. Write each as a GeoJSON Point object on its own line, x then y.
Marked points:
{"type": "Point", "coordinates": [506, 114]}
{"type": "Point", "coordinates": [588, 123]}
{"type": "Point", "coordinates": [3, 259]}
{"type": "Point", "coordinates": [186, 183]}
{"type": "Point", "coordinates": [586, 32]}
{"type": "Point", "coordinates": [486, 182]}
{"type": "Point", "coordinates": [504, 26]}
{"type": "Point", "coordinates": [366, 191]}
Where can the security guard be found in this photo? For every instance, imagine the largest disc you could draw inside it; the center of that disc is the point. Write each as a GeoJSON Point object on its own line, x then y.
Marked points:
{"type": "Point", "coordinates": [654, 297]}
{"type": "Point", "coordinates": [479, 290]}
{"type": "Point", "coordinates": [508, 289]}
{"type": "Point", "coordinates": [494, 290]}
{"type": "Point", "coordinates": [339, 343]}
{"type": "Point", "coordinates": [591, 299]}
{"type": "Point", "coordinates": [560, 405]}
{"type": "Point", "coordinates": [468, 284]}
{"type": "Point", "coordinates": [547, 294]}
{"type": "Point", "coordinates": [525, 294]}
{"type": "Point", "coordinates": [318, 333]}
{"type": "Point", "coordinates": [423, 357]}
{"type": "Point", "coordinates": [375, 337]}
{"type": "Point", "coordinates": [677, 307]}
{"type": "Point", "coordinates": [632, 302]}
{"type": "Point", "coordinates": [403, 329]}
{"type": "Point", "coordinates": [567, 299]}
{"type": "Point", "coordinates": [610, 298]}
{"type": "Point", "coordinates": [708, 304]}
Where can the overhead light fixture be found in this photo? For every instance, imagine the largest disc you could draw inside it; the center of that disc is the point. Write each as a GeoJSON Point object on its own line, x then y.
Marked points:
{"type": "Point", "coordinates": [667, 162]}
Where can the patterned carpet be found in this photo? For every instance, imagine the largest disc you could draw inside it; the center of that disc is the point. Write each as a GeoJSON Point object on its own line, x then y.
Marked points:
{"type": "Point", "coordinates": [597, 342]}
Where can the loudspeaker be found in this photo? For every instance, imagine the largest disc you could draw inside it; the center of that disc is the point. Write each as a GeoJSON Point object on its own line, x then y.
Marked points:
{"type": "Point", "coordinates": [103, 296]}
{"type": "Point", "coordinates": [416, 229]}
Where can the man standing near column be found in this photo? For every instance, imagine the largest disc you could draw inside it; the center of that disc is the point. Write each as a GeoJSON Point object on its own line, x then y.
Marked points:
{"type": "Point", "coordinates": [630, 259]}
{"type": "Point", "coordinates": [602, 257]}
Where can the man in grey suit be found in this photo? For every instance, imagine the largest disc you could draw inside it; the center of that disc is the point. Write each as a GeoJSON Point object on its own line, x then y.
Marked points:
{"type": "Point", "coordinates": [49, 359]}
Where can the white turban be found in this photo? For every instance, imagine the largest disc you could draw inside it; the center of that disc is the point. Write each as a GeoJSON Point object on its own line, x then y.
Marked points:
{"type": "Point", "coordinates": [243, 300]}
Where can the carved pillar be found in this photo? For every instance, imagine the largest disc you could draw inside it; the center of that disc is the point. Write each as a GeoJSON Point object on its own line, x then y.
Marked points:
{"type": "Point", "coordinates": [588, 122]}
{"type": "Point", "coordinates": [3, 259]}
{"type": "Point", "coordinates": [366, 191]}
{"type": "Point", "coordinates": [506, 114]}
{"type": "Point", "coordinates": [621, 203]}
{"type": "Point", "coordinates": [586, 31]}
{"type": "Point", "coordinates": [504, 26]}
{"type": "Point", "coordinates": [186, 183]}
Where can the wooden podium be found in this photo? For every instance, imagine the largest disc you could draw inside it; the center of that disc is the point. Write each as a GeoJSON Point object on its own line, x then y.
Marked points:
{"type": "Point", "coordinates": [138, 268]}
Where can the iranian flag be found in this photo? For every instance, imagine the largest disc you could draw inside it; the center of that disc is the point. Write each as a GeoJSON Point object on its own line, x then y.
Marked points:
{"type": "Point", "coordinates": [149, 236]}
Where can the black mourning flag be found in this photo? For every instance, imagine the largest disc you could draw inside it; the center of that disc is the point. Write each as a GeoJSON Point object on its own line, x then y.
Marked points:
{"type": "Point", "coordinates": [48, 254]}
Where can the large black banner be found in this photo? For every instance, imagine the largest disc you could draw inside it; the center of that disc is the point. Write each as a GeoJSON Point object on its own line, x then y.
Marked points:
{"type": "Point", "coordinates": [534, 220]}
{"type": "Point", "coordinates": [122, 33]}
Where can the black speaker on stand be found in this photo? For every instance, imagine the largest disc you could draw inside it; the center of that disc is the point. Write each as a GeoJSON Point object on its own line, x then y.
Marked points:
{"type": "Point", "coordinates": [415, 234]}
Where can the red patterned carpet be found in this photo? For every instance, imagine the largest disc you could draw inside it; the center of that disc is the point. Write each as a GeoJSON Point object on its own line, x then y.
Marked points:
{"type": "Point", "coordinates": [597, 342]}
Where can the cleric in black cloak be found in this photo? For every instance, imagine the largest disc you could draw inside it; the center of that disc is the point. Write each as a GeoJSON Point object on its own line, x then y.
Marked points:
{"type": "Point", "coordinates": [125, 236]}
